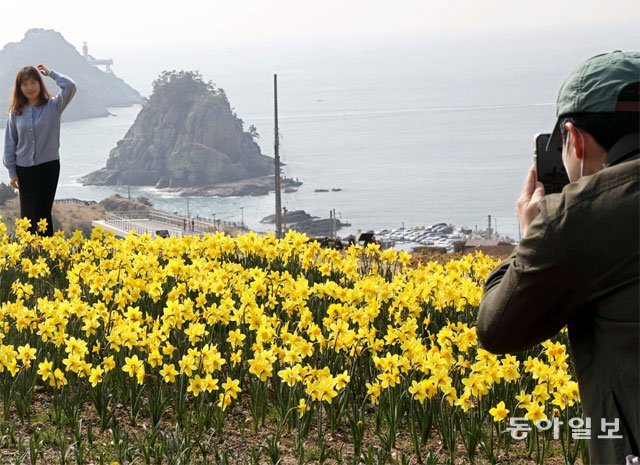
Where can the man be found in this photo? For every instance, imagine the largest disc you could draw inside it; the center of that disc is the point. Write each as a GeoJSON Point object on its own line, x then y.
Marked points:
{"type": "Point", "coordinates": [578, 262]}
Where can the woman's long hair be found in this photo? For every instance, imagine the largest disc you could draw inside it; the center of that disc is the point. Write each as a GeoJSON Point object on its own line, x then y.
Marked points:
{"type": "Point", "coordinates": [19, 101]}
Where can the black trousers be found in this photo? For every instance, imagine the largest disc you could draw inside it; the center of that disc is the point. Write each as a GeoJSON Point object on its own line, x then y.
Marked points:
{"type": "Point", "coordinates": [37, 187]}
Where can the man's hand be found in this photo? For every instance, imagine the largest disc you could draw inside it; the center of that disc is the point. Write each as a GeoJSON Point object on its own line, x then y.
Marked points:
{"type": "Point", "coordinates": [14, 183]}
{"type": "Point", "coordinates": [527, 205]}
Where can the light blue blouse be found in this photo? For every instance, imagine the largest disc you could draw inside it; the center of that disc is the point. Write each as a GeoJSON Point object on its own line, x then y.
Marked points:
{"type": "Point", "coordinates": [33, 137]}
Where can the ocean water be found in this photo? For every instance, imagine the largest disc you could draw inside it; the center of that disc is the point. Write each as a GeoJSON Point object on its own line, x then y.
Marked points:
{"type": "Point", "coordinates": [406, 145]}
{"type": "Point", "coordinates": [439, 129]}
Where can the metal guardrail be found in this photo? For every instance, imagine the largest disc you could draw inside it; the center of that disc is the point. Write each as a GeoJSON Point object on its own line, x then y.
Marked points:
{"type": "Point", "coordinates": [130, 214]}
{"type": "Point", "coordinates": [126, 224]}
{"type": "Point", "coordinates": [76, 201]}
{"type": "Point", "coordinates": [175, 225]}
{"type": "Point", "coordinates": [197, 224]}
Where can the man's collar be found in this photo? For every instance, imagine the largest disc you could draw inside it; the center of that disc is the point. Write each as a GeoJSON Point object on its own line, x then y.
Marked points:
{"type": "Point", "coordinates": [624, 149]}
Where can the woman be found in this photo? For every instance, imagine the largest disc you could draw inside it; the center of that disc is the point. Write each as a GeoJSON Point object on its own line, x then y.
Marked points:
{"type": "Point", "coordinates": [32, 141]}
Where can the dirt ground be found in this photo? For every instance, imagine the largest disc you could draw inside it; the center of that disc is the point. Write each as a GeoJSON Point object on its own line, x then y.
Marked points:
{"type": "Point", "coordinates": [68, 217]}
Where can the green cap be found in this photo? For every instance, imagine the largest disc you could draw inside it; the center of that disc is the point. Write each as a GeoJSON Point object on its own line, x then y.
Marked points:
{"type": "Point", "coordinates": [594, 86]}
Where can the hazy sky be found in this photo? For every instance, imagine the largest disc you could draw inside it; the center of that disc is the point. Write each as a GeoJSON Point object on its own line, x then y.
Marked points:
{"type": "Point", "coordinates": [144, 37]}
{"type": "Point", "coordinates": [115, 24]}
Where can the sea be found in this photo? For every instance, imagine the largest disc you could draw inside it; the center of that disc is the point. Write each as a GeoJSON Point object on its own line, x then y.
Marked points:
{"type": "Point", "coordinates": [399, 137]}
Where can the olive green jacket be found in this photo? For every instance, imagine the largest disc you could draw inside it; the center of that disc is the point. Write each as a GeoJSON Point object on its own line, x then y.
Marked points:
{"type": "Point", "coordinates": [579, 266]}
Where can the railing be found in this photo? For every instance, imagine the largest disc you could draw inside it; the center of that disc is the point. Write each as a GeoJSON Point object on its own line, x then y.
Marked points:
{"type": "Point", "coordinates": [76, 201]}
{"type": "Point", "coordinates": [131, 214]}
{"type": "Point", "coordinates": [175, 225]}
{"type": "Point", "coordinates": [125, 224]}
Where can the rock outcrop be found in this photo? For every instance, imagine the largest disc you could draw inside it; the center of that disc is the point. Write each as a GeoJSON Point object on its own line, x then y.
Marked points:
{"type": "Point", "coordinates": [186, 135]}
{"type": "Point", "coordinates": [118, 203]}
{"type": "Point", "coordinates": [303, 222]}
{"type": "Point", "coordinates": [243, 188]}
{"type": "Point", "coordinates": [97, 89]}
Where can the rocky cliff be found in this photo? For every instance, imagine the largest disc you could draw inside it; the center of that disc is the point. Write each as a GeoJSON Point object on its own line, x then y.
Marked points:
{"type": "Point", "coordinates": [186, 135]}
{"type": "Point", "coordinates": [97, 89]}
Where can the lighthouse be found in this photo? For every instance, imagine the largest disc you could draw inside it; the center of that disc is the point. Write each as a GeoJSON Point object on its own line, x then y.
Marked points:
{"type": "Point", "coordinates": [96, 62]}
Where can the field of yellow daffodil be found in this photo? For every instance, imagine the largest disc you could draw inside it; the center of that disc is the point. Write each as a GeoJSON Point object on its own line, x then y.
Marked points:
{"type": "Point", "coordinates": [256, 350]}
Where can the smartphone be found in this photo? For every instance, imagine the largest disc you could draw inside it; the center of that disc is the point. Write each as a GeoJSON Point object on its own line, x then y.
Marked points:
{"type": "Point", "coordinates": [549, 166]}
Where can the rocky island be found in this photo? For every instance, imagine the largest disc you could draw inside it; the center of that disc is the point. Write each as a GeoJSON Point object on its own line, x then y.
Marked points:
{"type": "Point", "coordinates": [97, 89]}
{"type": "Point", "coordinates": [246, 187]}
{"type": "Point", "coordinates": [187, 137]}
{"type": "Point", "coordinates": [313, 226]}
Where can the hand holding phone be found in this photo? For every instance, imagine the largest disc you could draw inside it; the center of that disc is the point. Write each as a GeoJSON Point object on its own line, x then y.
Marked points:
{"type": "Point", "coordinates": [527, 204]}
{"type": "Point", "coordinates": [549, 166]}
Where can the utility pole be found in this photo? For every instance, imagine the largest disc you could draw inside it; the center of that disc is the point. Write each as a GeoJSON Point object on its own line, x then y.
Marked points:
{"type": "Point", "coordinates": [330, 223]}
{"type": "Point", "coordinates": [335, 229]}
{"type": "Point", "coordinates": [276, 150]}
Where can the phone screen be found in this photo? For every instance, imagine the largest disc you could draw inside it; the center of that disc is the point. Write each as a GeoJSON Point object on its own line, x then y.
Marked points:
{"type": "Point", "coordinates": [549, 166]}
